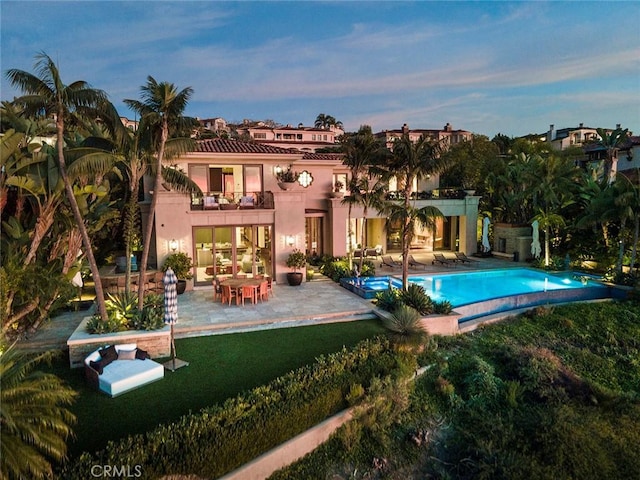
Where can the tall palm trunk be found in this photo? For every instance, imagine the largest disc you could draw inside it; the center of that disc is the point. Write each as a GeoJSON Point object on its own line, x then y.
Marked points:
{"type": "Point", "coordinates": [406, 236]}
{"type": "Point", "coordinates": [152, 210]}
{"type": "Point", "coordinates": [77, 215]}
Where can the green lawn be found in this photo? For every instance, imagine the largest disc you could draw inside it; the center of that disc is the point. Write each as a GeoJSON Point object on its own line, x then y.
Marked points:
{"type": "Point", "coordinates": [220, 367]}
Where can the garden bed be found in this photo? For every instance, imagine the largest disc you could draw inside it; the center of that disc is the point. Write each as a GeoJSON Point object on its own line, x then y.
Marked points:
{"type": "Point", "coordinates": [81, 343]}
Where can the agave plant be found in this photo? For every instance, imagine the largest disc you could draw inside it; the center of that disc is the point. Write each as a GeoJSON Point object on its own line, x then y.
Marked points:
{"type": "Point", "coordinates": [405, 326]}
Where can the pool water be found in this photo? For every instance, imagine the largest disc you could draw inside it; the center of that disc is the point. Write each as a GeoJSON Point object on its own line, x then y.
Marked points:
{"type": "Point", "coordinates": [471, 287]}
{"type": "Point", "coordinates": [465, 288]}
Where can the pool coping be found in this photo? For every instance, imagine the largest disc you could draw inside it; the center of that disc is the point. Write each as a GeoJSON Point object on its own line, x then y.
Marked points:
{"type": "Point", "coordinates": [466, 315]}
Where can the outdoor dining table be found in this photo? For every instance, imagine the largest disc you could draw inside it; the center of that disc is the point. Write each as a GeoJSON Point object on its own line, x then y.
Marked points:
{"type": "Point", "coordinates": [238, 283]}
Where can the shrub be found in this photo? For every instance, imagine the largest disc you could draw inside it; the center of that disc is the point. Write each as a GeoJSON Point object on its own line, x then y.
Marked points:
{"type": "Point", "coordinates": [414, 296]}
{"type": "Point", "coordinates": [442, 308]}
{"type": "Point", "coordinates": [122, 309]}
{"type": "Point", "coordinates": [250, 424]}
{"type": "Point", "coordinates": [388, 300]}
{"type": "Point", "coordinates": [338, 267]}
{"type": "Point", "coordinates": [181, 264]}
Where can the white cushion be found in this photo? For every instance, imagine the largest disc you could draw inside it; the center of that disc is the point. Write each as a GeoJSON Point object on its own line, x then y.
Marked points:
{"type": "Point", "coordinates": [120, 376]}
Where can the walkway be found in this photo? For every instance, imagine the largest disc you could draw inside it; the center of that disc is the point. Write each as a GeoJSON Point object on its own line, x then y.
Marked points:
{"type": "Point", "coordinates": [315, 302]}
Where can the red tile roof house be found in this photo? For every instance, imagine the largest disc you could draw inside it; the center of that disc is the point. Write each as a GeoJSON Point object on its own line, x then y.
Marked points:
{"type": "Point", "coordinates": [247, 224]}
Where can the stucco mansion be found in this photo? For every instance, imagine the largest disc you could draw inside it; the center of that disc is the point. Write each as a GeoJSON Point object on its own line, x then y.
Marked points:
{"type": "Point", "coordinates": [247, 223]}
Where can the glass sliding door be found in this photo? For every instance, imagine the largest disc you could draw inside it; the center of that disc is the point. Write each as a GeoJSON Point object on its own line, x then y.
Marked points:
{"type": "Point", "coordinates": [313, 236]}
{"type": "Point", "coordinates": [229, 251]}
{"type": "Point", "coordinates": [203, 241]}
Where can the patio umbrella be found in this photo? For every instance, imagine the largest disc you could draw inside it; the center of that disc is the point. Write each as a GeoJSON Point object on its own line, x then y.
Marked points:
{"type": "Point", "coordinates": [171, 315]}
{"type": "Point", "coordinates": [485, 234]}
{"type": "Point", "coordinates": [535, 244]}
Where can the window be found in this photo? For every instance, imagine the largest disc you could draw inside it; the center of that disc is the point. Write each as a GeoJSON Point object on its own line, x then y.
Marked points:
{"type": "Point", "coordinates": [305, 179]}
{"type": "Point", "coordinates": [229, 181]}
{"type": "Point", "coordinates": [260, 136]}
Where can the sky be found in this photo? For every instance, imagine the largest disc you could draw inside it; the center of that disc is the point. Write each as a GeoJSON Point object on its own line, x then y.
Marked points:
{"type": "Point", "coordinates": [487, 67]}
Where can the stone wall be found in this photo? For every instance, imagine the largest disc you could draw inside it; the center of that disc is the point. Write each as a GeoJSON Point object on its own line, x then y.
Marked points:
{"type": "Point", "coordinates": [81, 343]}
{"type": "Point", "coordinates": [505, 238]}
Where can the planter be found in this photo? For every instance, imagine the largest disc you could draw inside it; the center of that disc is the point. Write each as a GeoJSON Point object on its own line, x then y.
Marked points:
{"type": "Point", "coordinates": [81, 343]}
{"type": "Point", "coordinates": [294, 278]}
{"type": "Point", "coordinates": [336, 194]}
{"type": "Point", "coordinates": [181, 286]}
{"type": "Point", "coordinates": [286, 185]}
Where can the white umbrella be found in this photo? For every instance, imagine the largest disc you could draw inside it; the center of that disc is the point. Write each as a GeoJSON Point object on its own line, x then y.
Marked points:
{"type": "Point", "coordinates": [485, 234]}
{"type": "Point", "coordinates": [171, 315]}
{"type": "Point", "coordinates": [535, 244]}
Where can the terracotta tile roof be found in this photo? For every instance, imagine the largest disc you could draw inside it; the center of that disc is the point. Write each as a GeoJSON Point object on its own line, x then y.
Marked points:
{"type": "Point", "coordinates": [323, 156]}
{"type": "Point", "coordinates": [221, 145]}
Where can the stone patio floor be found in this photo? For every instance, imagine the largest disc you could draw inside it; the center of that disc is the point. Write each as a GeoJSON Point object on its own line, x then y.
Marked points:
{"type": "Point", "coordinates": [314, 302]}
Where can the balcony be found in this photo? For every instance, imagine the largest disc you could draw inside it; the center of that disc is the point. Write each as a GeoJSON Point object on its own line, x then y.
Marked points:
{"type": "Point", "coordinates": [236, 201]}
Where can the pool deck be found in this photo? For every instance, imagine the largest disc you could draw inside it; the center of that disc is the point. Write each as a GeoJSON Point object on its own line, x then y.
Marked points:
{"type": "Point", "coordinates": [316, 302]}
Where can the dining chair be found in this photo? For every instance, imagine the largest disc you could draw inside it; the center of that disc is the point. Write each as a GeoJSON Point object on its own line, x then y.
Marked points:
{"type": "Point", "coordinates": [241, 275]}
{"type": "Point", "coordinates": [270, 286]}
{"type": "Point", "coordinates": [217, 290]}
{"type": "Point", "coordinates": [263, 292]}
{"type": "Point", "coordinates": [228, 294]}
{"type": "Point", "coordinates": [249, 291]}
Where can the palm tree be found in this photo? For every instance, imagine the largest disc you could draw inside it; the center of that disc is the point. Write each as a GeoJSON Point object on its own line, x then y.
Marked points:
{"type": "Point", "coordinates": [368, 192]}
{"type": "Point", "coordinates": [46, 94]}
{"type": "Point", "coordinates": [411, 162]}
{"type": "Point", "coordinates": [611, 142]}
{"type": "Point", "coordinates": [553, 181]}
{"type": "Point", "coordinates": [410, 218]}
{"type": "Point", "coordinates": [326, 121]}
{"type": "Point", "coordinates": [627, 201]}
{"type": "Point", "coordinates": [161, 106]}
{"type": "Point", "coordinates": [35, 422]}
{"type": "Point", "coordinates": [362, 153]}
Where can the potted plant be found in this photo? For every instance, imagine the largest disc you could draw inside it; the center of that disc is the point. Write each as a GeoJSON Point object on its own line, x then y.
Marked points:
{"type": "Point", "coordinates": [296, 261]}
{"type": "Point", "coordinates": [287, 178]}
{"type": "Point", "coordinates": [181, 264]}
{"type": "Point", "coordinates": [337, 189]}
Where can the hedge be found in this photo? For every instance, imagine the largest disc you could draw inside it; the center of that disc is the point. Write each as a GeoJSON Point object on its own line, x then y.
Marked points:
{"type": "Point", "coordinates": [221, 438]}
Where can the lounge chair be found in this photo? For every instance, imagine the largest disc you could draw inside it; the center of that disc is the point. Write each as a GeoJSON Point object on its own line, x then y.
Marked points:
{"type": "Point", "coordinates": [462, 257]}
{"type": "Point", "coordinates": [415, 263]}
{"type": "Point", "coordinates": [442, 260]}
{"type": "Point", "coordinates": [388, 261]}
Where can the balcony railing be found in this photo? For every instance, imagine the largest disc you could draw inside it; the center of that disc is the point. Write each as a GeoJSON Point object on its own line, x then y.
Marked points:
{"type": "Point", "coordinates": [236, 201]}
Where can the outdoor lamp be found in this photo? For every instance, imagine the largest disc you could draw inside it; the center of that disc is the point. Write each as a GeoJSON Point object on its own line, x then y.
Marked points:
{"type": "Point", "coordinates": [290, 239]}
{"type": "Point", "coordinates": [277, 169]}
{"type": "Point", "coordinates": [173, 244]}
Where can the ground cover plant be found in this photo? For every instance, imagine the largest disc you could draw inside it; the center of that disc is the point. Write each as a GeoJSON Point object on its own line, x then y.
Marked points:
{"type": "Point", "coordinates": [554, 394]}
{"type": "Point", "coordinates": [223, 437]}
{"type": "Point", "coordinates": [220, 367]}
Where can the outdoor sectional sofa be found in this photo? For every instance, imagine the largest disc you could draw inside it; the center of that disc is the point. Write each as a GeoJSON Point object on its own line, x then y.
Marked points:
{"type": "Point", "coordinates": [121, 368]}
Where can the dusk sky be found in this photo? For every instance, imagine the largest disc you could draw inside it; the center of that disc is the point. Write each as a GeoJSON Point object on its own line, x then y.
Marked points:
{"type": "Point", "coordinates": [488, 67]}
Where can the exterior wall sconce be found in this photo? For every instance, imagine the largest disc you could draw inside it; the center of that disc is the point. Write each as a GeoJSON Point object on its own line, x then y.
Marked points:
{"type": "Point", "coordinates": [290, 240]}
{"type": "Point", "coordinates": [173, 244]}
{"type": "Point", "coordinates": [276, 170]}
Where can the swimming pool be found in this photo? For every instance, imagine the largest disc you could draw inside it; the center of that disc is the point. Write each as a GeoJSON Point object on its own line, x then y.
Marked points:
{"type": "Point", "coordinates": [488, 291]}
{"type": "Point", "coordinates": [472, 287]}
